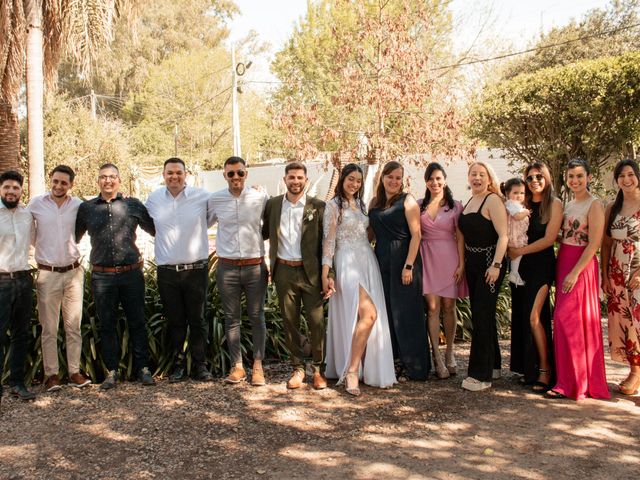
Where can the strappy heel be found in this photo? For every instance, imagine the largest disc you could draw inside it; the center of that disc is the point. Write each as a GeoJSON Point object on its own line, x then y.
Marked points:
{"type": "Point", "coordinates": [450, 363]}
{"type": "Point", "coordinates": [631, 384]}
{"type": "Point", "coordinates": [542, 387]}
{"type": "Point", "coordinates": [355, 391]}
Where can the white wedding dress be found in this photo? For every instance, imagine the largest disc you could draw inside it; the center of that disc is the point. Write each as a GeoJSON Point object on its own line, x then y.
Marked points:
{"type": "Point", "coordinates": [347, 248]}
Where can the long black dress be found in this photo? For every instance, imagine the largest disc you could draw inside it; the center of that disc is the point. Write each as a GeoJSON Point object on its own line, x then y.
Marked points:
{"type": "Point", "coordinates": [537, 270]}
{"type": "Point", "coordinates": [405, 305]}
{"type": "Point", "coordinates": [480, 240]}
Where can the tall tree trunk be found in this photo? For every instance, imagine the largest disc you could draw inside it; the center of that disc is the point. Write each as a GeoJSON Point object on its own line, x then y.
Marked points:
{"type": "Point", "coordinates": [35, 96]}
{"type": "Point", "coordinates": [9, 138]}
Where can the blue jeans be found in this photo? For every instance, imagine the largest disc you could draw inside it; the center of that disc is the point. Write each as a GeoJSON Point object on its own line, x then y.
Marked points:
{"type": "Point", "coordinates": [16, 306]}
{"type": "Point", "coordinates": [109, 291]}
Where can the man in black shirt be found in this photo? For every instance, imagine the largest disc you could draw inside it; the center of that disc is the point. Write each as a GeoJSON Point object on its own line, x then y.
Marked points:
{"type": "Point", "coordinates": [116, 274]}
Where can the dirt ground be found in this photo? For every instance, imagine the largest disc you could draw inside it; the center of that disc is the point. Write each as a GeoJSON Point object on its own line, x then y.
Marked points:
{"type": "Point", "coordinates": [416, 430]}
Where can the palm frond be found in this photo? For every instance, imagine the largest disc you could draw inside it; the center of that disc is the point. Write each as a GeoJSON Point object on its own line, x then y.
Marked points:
{"type": "Point", "coordinates": [12, 43]}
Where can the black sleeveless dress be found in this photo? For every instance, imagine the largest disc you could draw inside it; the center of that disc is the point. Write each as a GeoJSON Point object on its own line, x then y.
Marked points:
{"type": "Point", "coordinates": [480, 239]}
{"type": "Point", "coordinates": [405, 305]}
{"type": "Point", "coordinates": [537, 270]}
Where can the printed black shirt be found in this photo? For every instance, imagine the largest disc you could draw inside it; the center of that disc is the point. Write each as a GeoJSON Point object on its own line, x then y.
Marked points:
{"type": "Point", "coordinates": [112, 228]}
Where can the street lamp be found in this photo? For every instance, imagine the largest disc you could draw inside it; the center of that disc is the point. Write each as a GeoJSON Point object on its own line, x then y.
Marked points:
{"type": "Point", "coordinates": [237, 70]}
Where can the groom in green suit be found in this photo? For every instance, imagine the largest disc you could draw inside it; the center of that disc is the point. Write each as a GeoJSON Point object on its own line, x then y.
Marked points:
{"type": "Point", "coordinates": [293, 225]}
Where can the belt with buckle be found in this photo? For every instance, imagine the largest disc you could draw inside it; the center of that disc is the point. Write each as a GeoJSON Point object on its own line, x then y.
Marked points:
{"type": "Point", "coordinates": [116, 269]}
{"type": "Point", "coordinates": [290, 263]}
{"type": "Point", "coordinates": [199, 265]}
{"type": "Point", "coordinates": [241, 262]}
{"type": "Point", "coordinates": [49, 268]}
{"type": "Point", "coordinates": [12, 275]}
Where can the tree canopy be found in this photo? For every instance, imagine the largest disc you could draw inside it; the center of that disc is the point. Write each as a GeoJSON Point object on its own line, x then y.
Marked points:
{"type": "Point", "coordinates": [588, 109]}
{"type": "Point", "coordinates": [359, 78]}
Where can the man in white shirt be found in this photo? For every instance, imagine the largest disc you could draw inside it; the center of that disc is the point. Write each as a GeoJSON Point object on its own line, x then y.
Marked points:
{"type": "Point", "coordinates": [60, 282]}
{"type": "Point", "coordinates": [16, 282]}
{"type": "Point", "coordinates": [293, 225]}
{"type": "Point", "coordinates": [181, 216]}
{"type": "Point", "coordinates": [241, 267]}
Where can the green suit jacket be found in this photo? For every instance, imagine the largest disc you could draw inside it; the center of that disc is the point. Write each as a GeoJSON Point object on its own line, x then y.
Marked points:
{"type": "Point", "coordinates": [311, 238]}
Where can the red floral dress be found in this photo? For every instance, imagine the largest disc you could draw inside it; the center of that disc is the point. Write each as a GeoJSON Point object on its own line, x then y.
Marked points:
{"type": "Point", "coordinates": [624, 304]}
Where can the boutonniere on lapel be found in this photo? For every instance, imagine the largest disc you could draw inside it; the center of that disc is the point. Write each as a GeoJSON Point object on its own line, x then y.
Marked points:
{"type": "Point", "coordinates": [309, 214]}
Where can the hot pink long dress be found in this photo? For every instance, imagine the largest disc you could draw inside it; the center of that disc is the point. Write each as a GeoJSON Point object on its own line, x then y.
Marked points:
{"type": "Point", "coordinates": [577, 331]}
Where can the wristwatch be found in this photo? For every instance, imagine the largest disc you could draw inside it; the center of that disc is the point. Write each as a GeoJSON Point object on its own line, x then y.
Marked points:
{"type": "Point", "coordinates": [408, 267]}
{"type": "Point", "coordinates": [497, 265]}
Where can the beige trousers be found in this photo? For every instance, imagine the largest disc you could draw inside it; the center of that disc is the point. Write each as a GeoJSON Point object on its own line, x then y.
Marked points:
{"type": "Point", "coordinates": [60, 292]}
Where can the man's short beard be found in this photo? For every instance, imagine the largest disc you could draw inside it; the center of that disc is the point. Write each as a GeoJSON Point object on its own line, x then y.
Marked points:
{"type": "Point", "coordinates": [9, 204]}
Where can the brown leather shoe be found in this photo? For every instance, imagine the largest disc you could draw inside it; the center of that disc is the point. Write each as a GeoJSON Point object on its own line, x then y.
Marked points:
{"type": "Point", "coordinates": [236, 375]}
{"type": "Point", "coordinates": [257, 377]}
{"type": "Point", "coordinates": [78, 380]}
{"type": "Point", "coordinates": [319, 381]}
{"type": "Point", "coordinates": [52, 384]}
{"type": "Point", "coordinates": [296, 380]}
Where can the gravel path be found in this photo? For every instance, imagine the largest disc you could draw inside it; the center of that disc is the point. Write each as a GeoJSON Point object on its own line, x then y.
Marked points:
{"type": "Point", "coordinates": [415, 430]}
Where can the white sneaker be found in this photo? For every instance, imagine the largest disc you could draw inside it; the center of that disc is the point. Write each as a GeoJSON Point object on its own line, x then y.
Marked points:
{"type": "Point", "coordinates": [474, 385]}
{"type": "Point", "coordinates": [497, 373]}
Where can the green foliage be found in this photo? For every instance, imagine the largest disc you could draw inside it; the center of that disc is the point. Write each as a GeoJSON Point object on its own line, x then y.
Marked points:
{"type": "Point", "coordinates": [161, 357]}
{"type": "Point", "coordinates": [73, 138]}
{"type": "Point", "coordinates": [589, 109]}
{"type": "Point", "coordinates": [605, 32]}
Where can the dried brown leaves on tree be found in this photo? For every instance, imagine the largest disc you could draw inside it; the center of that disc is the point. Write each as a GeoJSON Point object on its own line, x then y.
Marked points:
{"type": "Point", "coordinates": [375, 93]}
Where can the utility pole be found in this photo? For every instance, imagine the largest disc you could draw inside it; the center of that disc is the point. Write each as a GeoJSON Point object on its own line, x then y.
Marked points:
{"type": "Point", "coordinates": [175, 139]}
{"type": "Point", "coordinates": [93, 105]}
{"type": "Point", "coordinates": [235, 117]}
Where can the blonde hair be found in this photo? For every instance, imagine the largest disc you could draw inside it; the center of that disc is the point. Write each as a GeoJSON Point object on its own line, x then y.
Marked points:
{"type": "Point", "coordinates": [494, 183]}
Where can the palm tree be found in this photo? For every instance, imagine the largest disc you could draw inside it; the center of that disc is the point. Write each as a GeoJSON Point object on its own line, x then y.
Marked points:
{"type": "Point", "coordinates": [40, 30]}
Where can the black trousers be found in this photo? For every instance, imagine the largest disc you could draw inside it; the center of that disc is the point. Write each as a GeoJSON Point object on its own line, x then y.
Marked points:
{"type": "Point", "coordinates": [183, 297]}
{"type": "Point", "coordinates": [485, 350]}
{"type": "Point", "coordinates": [109, 291]}
{"type": "Point", "coordinates": [16, 306]}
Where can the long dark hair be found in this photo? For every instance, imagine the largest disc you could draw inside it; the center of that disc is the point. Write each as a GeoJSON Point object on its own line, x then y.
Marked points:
{"type": "Point", "coordinates": [547, 193]}
{"type": "Point", "coordinates": [380, 200]}
{"type": "Point", "coordinates": [339, 193]}
{"type": "Point", "coordinates": [448, 196]}
{"type": "Point", "coordinates": [617, 204]}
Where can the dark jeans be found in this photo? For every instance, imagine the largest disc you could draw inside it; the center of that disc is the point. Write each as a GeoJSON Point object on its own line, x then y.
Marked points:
{"type": "Point", "coordinates": [232, 281]}
{"type": "Point", "coordinates": [110, 290]}
{"type": "Point", "coordinates": [16, 306]}
{"type": "Point", "coordinates": [183, 296]}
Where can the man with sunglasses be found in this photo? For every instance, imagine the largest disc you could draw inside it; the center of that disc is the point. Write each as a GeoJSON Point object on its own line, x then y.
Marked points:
{"type": "Point", "coordinates": [116, 273]}
{"type": "Point", "coordinates": [241, 267]}
{"type": "Point", "coordinates": [181, 214]}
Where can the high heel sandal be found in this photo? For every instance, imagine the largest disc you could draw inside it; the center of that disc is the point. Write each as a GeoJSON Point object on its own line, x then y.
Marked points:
{"type": "Point", "coordinates": [350, 390]}
{"type": "Point", "coordinates": [450, 363]}
{"type": "Point", "coordinates": [629, 386]}
{"type": "Point", "coordinates": [542, 387]}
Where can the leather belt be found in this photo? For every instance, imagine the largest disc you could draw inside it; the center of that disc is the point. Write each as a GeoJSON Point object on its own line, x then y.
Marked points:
{"type": "Point", "coordinates": [116, 269]}
{"type": "Point", "coordinates": [20, 273]}
{"type": "Point", "coordinates": [241, 262]}
{"type": "Point", "coordinates": [49, 268]}
{"type": "Point", "coordinates": [199, 265]}
{"type": "Point", "coordinates": [290, 263]}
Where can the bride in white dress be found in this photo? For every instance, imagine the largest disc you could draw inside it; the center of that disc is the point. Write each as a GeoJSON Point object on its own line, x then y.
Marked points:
{"type": "Point", "coordinates": [358, 338]}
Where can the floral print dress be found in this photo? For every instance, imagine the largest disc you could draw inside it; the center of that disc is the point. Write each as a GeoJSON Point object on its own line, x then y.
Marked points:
{"type": "Point", "coordinates": [624, 304]}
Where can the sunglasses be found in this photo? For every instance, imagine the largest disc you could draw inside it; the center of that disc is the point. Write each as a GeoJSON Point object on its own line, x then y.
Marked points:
{"type": "Point", "coordinates": [232, 173]}
{"type": "Point", "coordinates": [538, 178]}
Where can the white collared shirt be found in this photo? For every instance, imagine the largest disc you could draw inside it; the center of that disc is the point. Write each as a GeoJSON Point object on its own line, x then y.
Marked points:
{"type": "Point", "coordinates": [239, 223]}
{"type": "Point", "coordinates": [291, 229]}
{"type": "Point", "coordinates": [55, 230]}
{"type": "Point", "coordinates": [181, 225]}
{"type": "Point", "coordinates": [16, 236]}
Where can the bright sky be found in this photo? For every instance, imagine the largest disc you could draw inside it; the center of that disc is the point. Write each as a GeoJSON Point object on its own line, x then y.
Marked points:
{"type": "Point", "coordinates": [515, 21]}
